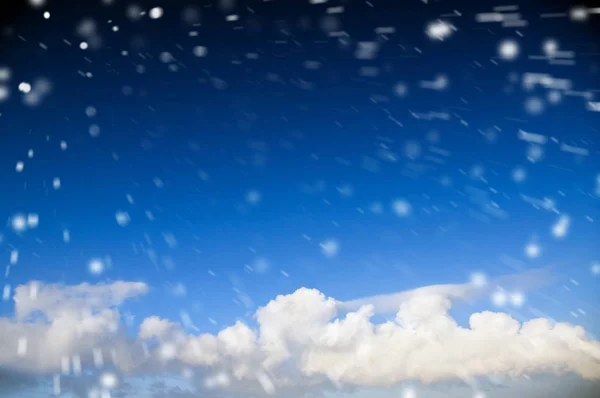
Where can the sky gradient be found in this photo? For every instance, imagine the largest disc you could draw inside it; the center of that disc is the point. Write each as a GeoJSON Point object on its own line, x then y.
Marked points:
{"type": "Point", "coordinates": [316, 171]}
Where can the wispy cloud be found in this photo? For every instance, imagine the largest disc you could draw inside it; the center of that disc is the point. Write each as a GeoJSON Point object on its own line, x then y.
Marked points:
{"type": "Point", "coordinates": [390, 303]}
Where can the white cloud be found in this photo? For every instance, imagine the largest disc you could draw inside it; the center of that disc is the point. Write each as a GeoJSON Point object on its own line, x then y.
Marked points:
{"type": "Point", "coordinates": [302, 341]}
{"type": "Point", "coordinates": [56, 324]}
{"type": "Point", "coordinates": [391, 302]}
{"type": "Point", "coordinates": [54, 300]}
{"type": "Point", "coordinates": [155, 327]}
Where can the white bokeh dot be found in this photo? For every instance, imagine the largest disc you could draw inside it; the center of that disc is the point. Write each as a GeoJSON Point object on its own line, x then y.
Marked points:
{"type": "Point", "coordinates": [4, 93]}
{"type": "Point", "coordinates": [535, 153]}
{"type": "Point", "coordinates": [18, 222]}
{"type": "Point", "coordinates": [37, 3]}
{"type": "Point", "coordinates": [401, 207]}
{"type": "Point", "coordinates": [439, 30]}
{"type": "Point", "coordinates": [550, 47]}
{"type": "Point", "coordinates": [96, 266]}
{"type": "Point", "coordinates": [253, 197]}
{"type": "Point", "coordinates": [400, 89]}
{"type": "Point", "coordinates": [108, 380]}
{"type": "Point", "coordinates": [168, 351]}
{"type": "Point", "coordinates": [479, 279]}
{"type": "Point", "coordinates": [499, 298]}
{"type": "Point", "coordinates": [24, 87]}
{"type": "Point", "coordinates": [519, 175]}
{"type": "Point", "coordinates": [156, 13]}
{"type": "Point", "coordinates": [330, 248]}
{"type": "Point", "coordinates": [409, 392]}
{"type": "Point", "coordinates": [94, 130]}
{"type": "Point", "coordinates": [579, 13]}
{"type": "Point", "coordinates": [200, 51]}
{"type": "Point", "coordinates": [532, 250]}
{"type": "Point", "coordinates": [517, 299]}
{"type": "Point", "coordinates": [534, 105]}
{"type": "Point", "coordinates": [122, 218]}
{"type": "Point", "coordinates": [508, 50]}
{"type": "Point", "coordinates": [554, 97]}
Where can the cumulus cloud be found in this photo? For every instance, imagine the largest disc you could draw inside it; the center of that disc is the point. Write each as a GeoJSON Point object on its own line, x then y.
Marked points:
{"type": "Point", "coordinates": [57, 327]}
{"type": "Point", "coordinates": [301, 338]}
{"type": "Point", "coordinates": [155, 327]}
{"type": "Point", "coordinates": [304, 341]}
{"type": "Point", "coordinates": [53, 300]}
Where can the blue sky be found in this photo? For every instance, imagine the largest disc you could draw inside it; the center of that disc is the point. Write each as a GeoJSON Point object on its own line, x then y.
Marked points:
{"type": "Point", "coordinates": [287, 157]}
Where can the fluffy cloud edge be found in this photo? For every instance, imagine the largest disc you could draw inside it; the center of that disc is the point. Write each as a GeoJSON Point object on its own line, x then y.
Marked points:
{"type": "Point", "coordinates": [424, 343]}
{"type": "Point", "coordinates": [61, 328]}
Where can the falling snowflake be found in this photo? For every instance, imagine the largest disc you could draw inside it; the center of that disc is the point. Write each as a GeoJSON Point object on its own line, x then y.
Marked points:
{"type": "Point", "coordinates": [33, 220]}
{"type": "Point", "coordinates": [409, 392]}
{"type": "Point", "coordinates": [122, 218]}
{"type": "Point", "coordinates": [561, 227]}
{"type": "Point", "coordinates": [156, 13]}
{"type": "Point", "coordinates": [579, 14]}
{"type": "Point", "coordinates": [550, 47]}
{"type": "Point", "coordinates": [519, 175]}
{"type": "Point", "coordinates": [90, 111]}
{"type": "Point", "coordinates": [37, 3]}
{"type": "Point", "coordinates": [499, 298]}
{"type": "Point", "coordinates": [508, 50]}
{"type": "Point", "coordinates": [253, 197]}
{"type": "Point", "coordinates": [400, 89]}
{"type": "Point", "coordinates": [25, 87]}
{"type": "Point", "coordinates": [5, 74]}
{"type": "Point", "coordinates": [14, 257]}
{"type": "Point", "coordinates": [479, 279]}
{"type": "Point", "coordinates": [439, 30]}
{"type": "Point", "coordinates": [96, 266]}
{"type": "Point", "coordinates": [517, 299]}
{"type": "Point", "coordinates": [18, 223]}
{"type": "Point", "coordinates": [167, 351]}
{"type": "Point", "coordinates": [534, 105]}
{"type": "Point", "coordinates": [109, 381]}
{"type": "Point", "coordinates": [329, 248]}
{"type": "Point", "coordinates": [94, 130]}
{"type": "Point", "coordinates": [401, 208]}
{"type": "Point", "coordinates": [532, 250]}
{"type": "Point", "coordinates": [261, 265]}
{"type": "Point", "coordinates": [200, 51]}
{"type": "Point", "coordinates": [4, 93]}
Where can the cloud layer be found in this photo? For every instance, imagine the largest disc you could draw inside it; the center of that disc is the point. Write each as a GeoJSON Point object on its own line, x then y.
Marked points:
{"type": "Point", "coordinates": [300, 341]}
{"type": "Point", "coordinates": [59, 328]}
{"type": "Point", "coordinates": [301, 333]}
